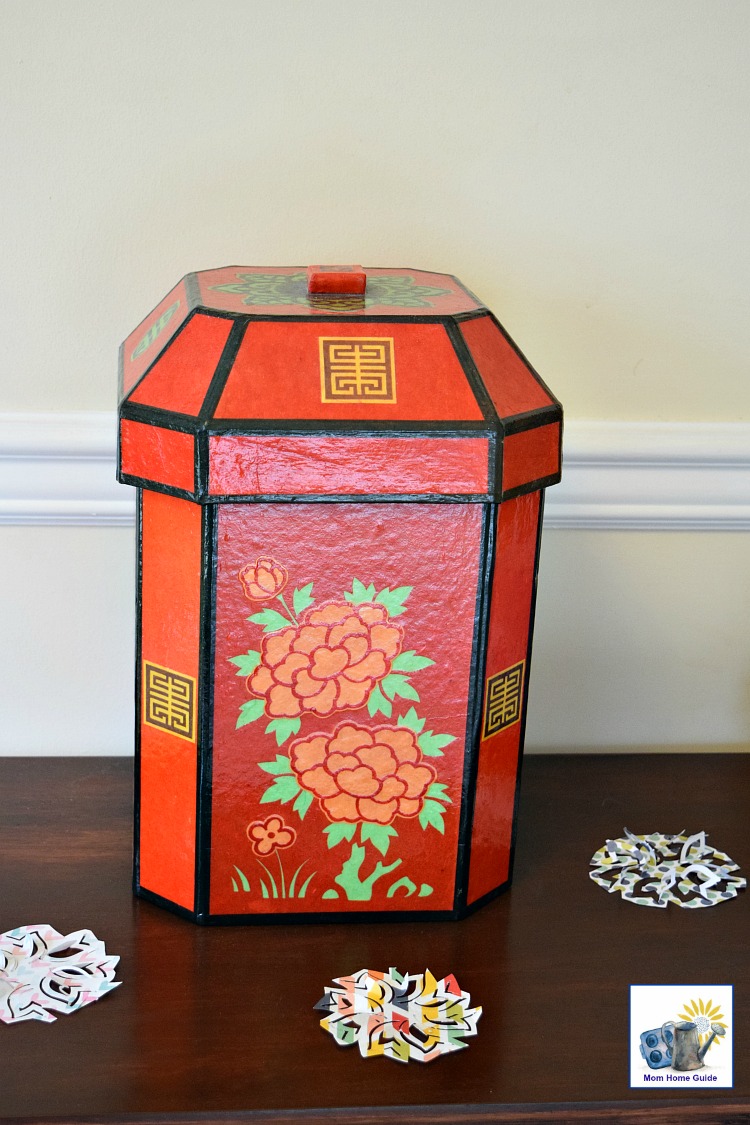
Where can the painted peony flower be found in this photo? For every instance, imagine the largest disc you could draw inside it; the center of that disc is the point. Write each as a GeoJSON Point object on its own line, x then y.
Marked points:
{"type": "Point", "coordinates": [263, 581]}
{"type": "Point", "coordinates": [363, 773]}
{"type": "Point", "coordinates": [330, 662]}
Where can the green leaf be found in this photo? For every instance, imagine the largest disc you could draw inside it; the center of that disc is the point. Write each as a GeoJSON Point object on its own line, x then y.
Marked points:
{"type": "Point", "coordinates": [378, 702]}
{"type": "Point", "coordinates": [243, 879]}
{"type": "Point", "coordinates": [411, 720]}
{"type": "Point", "coordinates": [411, 662]}
{"type": "Point", "coordinates": [432, 813]}
{"type": "Point", "coordinates": [250, 711]}
{"type": "Point", "coordinates": [281, 765]}
{"type": "Point", "coordinates": [302, 598]}
{"type": "Point", "coordinates": [437, 790]}
{"type": "Point", "coordinates": [396, 684]}
{"type": "Point", "coordinates": [432, 745]}
{"type": "Point", "coordinates": [271, 620]}
{"type": "Point", "coordinates": [303, 802]}
{"type": "Point", "coordinates": [379, 835]}
{"type": "Point", "coordinates": [360, 593]}
{"type": "Point", "coordinates": [283, 789]}
{"type": "Point", "coordinates": [247, 662]}
{"type": "Point", "coordinates": [338, 832]}
{"type": "Point", "coordinates": [393, 600]}
{"type": "Point", "coordinates": [283, 729]}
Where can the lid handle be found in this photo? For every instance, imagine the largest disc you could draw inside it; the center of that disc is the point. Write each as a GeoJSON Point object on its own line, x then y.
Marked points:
{"type": "Point", "coordinates": [336, 279]}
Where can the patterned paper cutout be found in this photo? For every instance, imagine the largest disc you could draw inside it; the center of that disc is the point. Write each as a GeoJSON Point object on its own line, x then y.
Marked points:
{"type": "Point", "coordinates": [43, 972]}
{"type": "Point", "coordinates": [401, 1016]}
{"type": "Point", "coordinates": [657, 869]}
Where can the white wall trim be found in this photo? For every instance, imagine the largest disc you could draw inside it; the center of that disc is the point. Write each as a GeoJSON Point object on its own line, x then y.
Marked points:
{"type": "Point", "coordinates": [58, 469]}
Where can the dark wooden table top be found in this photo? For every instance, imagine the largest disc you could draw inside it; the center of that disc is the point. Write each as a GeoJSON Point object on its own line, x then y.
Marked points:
{"type": "Point", "coordinates": [217, 1024]}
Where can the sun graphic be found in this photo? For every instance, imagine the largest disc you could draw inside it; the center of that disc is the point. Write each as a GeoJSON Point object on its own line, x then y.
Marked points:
{"type": "Point", "coordinates": [702, 1014]}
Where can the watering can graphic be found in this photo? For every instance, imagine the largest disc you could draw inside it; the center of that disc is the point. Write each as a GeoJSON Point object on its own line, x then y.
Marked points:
{"type": "Point", "coordinates": [687, 1053]}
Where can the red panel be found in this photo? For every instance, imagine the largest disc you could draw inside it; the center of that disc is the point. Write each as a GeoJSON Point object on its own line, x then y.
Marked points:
{"type": "Point", "coordinates": [283, 289]}
{"type": "Point", "coordinates": [277, 374]}
{"type": "Point", "coordinates": [531, 455]}
{"type": "Point", "coordinates": [179, 380]}
{"type": "Point", "coordinates": [510, 612]}
{"type": "Point", "coordinates": [512, 386]}
{"type": "Point", "coordinates": [153, 453]}
{"type": "Point", "coordinates": [276, 466]}
{"type": "Point", "coordinates": [170, 608]}
{"type": "Point", "coordinates": [146, 341]}
{"type": "Point", "coordinates": [432, 549]}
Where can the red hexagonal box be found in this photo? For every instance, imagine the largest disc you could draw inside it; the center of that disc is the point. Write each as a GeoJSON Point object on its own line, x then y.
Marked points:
{"type": "Point", "coordinates": [340, 481]}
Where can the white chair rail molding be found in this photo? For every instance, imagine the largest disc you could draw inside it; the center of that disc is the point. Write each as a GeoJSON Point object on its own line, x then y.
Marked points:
{"type": "Point", "coordinates": [59, 469]}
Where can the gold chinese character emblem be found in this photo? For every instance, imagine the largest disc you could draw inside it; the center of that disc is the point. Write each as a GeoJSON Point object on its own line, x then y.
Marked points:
{"type": "Point", "coordinates": [169, 701]}
{"type": "Point", "coordinates": [357, 370]}
{"type": "Point", "coordinates": [502, 704]}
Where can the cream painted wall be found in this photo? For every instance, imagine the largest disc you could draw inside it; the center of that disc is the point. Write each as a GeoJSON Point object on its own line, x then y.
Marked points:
{"type": "Point", "coordinates": [579, 163]}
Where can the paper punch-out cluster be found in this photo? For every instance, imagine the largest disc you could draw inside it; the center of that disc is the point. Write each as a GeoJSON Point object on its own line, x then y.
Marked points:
{"type": "Point", "coordinates": [43, 972]}
{"type": "Point", "coordinates": [402, 1016]}
{"type": "Point", "coordinates": [658, 869]}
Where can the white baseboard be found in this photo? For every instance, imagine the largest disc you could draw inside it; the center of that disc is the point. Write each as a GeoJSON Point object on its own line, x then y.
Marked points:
{"type": "Point", "coordinates": [58, 469]}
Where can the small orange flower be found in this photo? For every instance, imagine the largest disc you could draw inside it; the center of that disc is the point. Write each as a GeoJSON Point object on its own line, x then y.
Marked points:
{"type": "Point", "coordinates": [269, 834]}
{"type": "Point", "coordinates": [263, 581]}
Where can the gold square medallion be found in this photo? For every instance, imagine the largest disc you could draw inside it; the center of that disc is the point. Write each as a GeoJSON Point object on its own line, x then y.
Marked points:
{"type": "Point", "coordinates": [356, 369]}
{"type": "Point", "coordinates": [169, 701]}
{"type": "Point", "coordinates": [502, 701]}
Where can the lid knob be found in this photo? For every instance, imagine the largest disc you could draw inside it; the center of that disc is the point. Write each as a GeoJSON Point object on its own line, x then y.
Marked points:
{"type": "Point", "coordinates": [336, 279]}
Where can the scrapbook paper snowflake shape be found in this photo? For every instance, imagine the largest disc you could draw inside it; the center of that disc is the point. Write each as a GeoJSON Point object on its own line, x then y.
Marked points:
{"type": "Point", "coordinates": [401, 1016]}
{"type": "Point", "coordinates": [43, 972]}
{"type": "Point", "coordinates": [657, 869]}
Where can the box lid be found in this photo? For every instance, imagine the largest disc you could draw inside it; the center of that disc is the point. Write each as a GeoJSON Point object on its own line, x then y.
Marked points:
{"type": "Point", "coordinates": [260, 383]}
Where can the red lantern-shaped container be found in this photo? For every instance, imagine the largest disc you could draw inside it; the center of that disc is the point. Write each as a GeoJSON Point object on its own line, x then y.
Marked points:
{"type": "Point", "coordinates": [340, 482]}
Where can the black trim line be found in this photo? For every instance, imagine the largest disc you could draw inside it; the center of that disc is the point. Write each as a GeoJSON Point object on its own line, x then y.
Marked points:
{"type": "Point", "coordinates": [137, 690]}
{"type": "Point", "coordinates": [533, 419]}
{"type": "Point", "coordinates": [475, 697]}
{"type": "Point", "coordinates": [204, 741]}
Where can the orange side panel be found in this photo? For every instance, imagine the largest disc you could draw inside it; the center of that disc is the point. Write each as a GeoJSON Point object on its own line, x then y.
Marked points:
{"type": "Point", "coordinates": [510, 613]}
{"type": "Point", "coordinates": [155, 454]}
{"type": "Point", "coordinates": [280, 373]}
{"type": "Point", "coordinates": [179, 380]}
{"type": "Point", "coordinates": [512, 386]}
{"type": "Point", "coordinates": [170, 631]}
{"type": "Point", "coordinates": [531, 455]}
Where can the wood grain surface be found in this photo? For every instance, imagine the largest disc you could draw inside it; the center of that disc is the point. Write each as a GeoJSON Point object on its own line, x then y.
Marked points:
{"type": "Point", "coordinates": [217, 1024]}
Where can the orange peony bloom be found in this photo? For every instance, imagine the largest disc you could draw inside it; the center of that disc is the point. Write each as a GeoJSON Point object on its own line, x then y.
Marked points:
{"type": "Point", "coordinates": [264, 580]}
{"type": "Point", "coordinates": [330, 662]}
{"type": "Point", "coordinates": [269, 834]}
{"type": "Point", "coordinates": [363, 773]}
